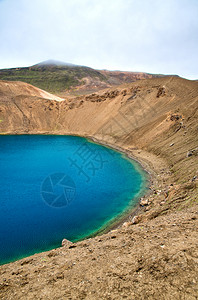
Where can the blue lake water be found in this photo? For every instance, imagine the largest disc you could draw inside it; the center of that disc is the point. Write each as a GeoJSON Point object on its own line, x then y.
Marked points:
{"type": "Point", "coordinates": [55, 187]}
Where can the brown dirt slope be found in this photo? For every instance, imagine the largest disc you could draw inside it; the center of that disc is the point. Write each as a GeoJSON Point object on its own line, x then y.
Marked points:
{"type": "Point", "coordinates": [155, 121]}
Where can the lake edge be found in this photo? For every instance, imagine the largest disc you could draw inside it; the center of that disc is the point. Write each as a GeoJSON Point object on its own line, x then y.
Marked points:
{"type": "Point", "coordinates": [131, 209]}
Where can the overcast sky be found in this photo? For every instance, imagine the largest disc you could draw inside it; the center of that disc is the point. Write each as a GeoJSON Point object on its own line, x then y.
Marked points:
{"type": "Point", "coordinates": [152, 36]}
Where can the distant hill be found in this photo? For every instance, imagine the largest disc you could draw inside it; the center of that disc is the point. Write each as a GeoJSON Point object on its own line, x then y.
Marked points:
{"type": "Point", "coordinates": [52, 76]}
{"type": "Point", "coordinates": [52, 63]}
{"type": "Point", "coordinates": [61, 78]}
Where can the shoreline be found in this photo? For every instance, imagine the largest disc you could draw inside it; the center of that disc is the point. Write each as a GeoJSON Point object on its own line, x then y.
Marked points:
{"type": "Point", "coordinates": [130, 211]}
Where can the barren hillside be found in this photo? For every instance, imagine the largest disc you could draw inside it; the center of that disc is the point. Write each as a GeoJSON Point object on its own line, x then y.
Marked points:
{"type": "Point", "coordinates": [154, 121]}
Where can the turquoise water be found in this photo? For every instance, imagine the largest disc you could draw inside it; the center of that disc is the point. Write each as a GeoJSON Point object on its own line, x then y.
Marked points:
{"type": "Point", "coordinates": [55, 187]}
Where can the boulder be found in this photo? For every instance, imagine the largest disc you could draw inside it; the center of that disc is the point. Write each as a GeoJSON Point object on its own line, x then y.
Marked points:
{"type": "Point", "coordinates": [66, 243]}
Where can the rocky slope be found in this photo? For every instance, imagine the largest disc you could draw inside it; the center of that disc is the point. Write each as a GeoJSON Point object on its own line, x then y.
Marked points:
{"type": "Point", "coordinates": [119, 77]}
{"type": "Point", "coordinates": [152, 256]}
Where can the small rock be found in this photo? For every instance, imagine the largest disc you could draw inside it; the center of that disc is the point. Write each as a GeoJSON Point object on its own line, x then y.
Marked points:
{"type": "Point", "coordinates": [163, 202]}
{"type": "Point", "coordinates": [113, 236]}
{"type": "Point", "coordinates": [161, 92]}
{"type": "Point", "coordinates": [26, 261]}
{"type": "Point", "coordinates": [144, 202]}
{"type": "Point", "coordinates": [59, 275]}
{"type": "Point", "coordinates": [194, 178]}
{"type": "Point", "coordinates": [136, 220]}
{"type": "Point", "coordinates": [172, 144]}
{"type": "Point", "coordinates": [72, 246]}
{"type": "Point", "coordinates": [189, 153]}
{"type": "Point", "coordinates": [127, 224]}
{"type": "Point", "coordinates": [166, 195]}
{"type": "Point", "coordinates": [66, 243]}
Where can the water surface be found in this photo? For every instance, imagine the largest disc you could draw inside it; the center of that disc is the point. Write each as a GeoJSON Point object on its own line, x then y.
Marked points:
{"type": "Point", "coordinates": [55, 187]}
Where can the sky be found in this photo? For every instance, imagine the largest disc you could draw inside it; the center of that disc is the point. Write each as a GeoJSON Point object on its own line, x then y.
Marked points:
{"type": "Point", "coordinates": [151, 36]}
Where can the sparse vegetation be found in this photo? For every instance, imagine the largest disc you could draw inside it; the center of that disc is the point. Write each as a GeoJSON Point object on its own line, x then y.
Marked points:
{"type": "Point", "coordinates": [51, 78]}
{"type": "Point", "coordinates": [57, 77]}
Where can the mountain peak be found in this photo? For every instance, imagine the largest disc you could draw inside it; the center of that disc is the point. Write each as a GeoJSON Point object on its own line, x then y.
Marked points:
{"type": "Point", "coordinates": [52, 62]}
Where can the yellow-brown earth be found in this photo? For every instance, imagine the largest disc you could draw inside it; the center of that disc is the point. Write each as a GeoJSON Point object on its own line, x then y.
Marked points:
{"type": "Point", "coordinates": [154, 121]}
